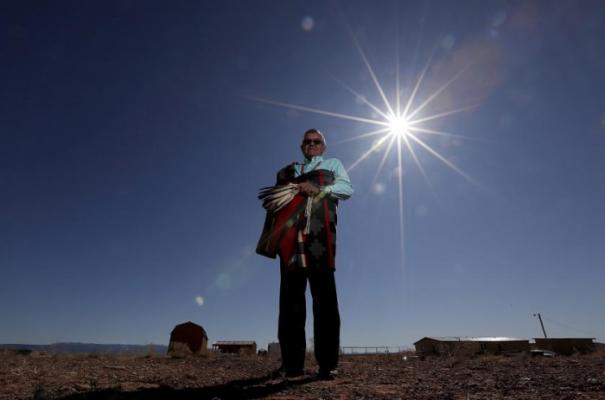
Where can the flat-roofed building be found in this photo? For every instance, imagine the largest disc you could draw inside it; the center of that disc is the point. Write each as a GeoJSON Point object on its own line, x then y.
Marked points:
{"type": "Point", "coordinates": [274, 350]}
{"type": "Point", "coordinates": [246, 347]}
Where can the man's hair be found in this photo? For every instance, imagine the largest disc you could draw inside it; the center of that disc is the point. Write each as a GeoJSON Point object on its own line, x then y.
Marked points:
{"type": "Point", "coordinates": [316, 131]}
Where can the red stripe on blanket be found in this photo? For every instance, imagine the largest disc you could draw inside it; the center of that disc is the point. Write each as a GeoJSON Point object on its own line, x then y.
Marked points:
{"type": "Point", "coordinates": [289, 216]}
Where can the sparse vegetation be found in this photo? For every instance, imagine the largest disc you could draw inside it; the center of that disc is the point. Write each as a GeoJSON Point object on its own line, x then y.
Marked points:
{"type": "Point", "coordinates": [384, 376]}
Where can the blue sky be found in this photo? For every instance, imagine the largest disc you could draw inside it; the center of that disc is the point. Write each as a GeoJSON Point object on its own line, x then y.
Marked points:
{"type": "Point", "coordinates": [132, 145]}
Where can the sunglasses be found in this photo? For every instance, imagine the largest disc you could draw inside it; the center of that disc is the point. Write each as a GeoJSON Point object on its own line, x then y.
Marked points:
{"type": "Point", "coordinates": [316, 142]}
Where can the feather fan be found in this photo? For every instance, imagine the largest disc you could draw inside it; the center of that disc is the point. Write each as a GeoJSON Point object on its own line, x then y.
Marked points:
{"type": "Point", "coordinates": [277, 197]}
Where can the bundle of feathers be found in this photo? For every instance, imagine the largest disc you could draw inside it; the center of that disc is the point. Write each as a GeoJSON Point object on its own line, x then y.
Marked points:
{"type": "Point", "coordinates": [277, 197]}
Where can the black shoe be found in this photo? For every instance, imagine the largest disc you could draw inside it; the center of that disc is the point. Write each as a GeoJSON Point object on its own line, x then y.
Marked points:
{"type": "Point", "coordinates": [294, 373]}
{"type": "Point", "coordinates": [326, 374]}
{"type": "Point", "coordinates": [278, 373]}
{"type": "Point", "coordinates": [281, 372]}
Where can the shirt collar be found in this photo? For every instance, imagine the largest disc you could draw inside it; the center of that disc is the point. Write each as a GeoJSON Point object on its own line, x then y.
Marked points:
{"type": "Point", "coordinates": [313, 160]}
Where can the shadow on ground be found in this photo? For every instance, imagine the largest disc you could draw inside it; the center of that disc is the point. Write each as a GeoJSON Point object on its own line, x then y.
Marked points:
{"type": "Point", "coordinates": [239, 389]}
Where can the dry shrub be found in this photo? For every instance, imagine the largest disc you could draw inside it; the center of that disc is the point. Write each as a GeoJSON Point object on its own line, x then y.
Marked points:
{"type": "Point", "coordinates": [599, 352]}
{"type": "Point", "coordinates": [463, 350]}
{"type": "Point", "coordinates": [125, 357]}
{"type": "Point", "coordinates": [179, 350]}
{"type": "Point", "coordinates": [152, 352]}
{"type": "Point", "coordinates": [491, 358]}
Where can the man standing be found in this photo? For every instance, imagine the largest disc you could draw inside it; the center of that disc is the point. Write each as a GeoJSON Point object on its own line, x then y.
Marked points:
{"type": "Point", "coordinates": [303, 234]}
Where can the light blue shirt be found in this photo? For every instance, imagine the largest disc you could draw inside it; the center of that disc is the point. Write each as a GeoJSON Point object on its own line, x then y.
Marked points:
{"type": "Point", "coordinates": [341, 188]}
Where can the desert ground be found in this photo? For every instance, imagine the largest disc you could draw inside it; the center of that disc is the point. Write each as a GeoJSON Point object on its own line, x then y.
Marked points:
{"type": "Point", "coordinates": [38, 375]}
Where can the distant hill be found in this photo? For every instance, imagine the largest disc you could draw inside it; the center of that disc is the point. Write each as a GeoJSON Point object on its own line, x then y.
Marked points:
{"type": "Point", "coordinates": [88, 348]}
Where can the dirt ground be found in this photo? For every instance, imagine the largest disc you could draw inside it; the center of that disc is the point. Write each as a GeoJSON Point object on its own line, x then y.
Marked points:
{"type": "Point", "coordinates": [393, 376]}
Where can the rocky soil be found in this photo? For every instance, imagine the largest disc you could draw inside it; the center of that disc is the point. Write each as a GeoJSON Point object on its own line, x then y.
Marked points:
{"type": "Point", "coordinates": [394, 376]}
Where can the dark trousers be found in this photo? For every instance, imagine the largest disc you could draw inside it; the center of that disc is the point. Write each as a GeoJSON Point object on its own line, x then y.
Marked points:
{"type": "Point", "coordinates": [292, 314]}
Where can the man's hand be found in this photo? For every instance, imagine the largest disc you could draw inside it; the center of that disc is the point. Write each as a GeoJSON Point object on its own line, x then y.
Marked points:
{"type": "Point", "coordinates": [308, 188]}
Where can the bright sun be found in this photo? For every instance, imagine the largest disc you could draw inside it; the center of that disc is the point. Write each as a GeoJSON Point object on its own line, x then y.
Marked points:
{"type": "Point", "coordinates": [398, 125]}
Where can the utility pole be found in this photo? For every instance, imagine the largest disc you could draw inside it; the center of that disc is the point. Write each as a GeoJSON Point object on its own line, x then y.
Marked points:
{"type": "Point", "coordinates": [541, 324]}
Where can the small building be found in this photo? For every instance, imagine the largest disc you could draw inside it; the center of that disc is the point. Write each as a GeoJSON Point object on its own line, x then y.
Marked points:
{"type": "Point", "coordinates": [566, 346]}
{"type": "Point", "coordinates": [186, 339]}
{"type": "Point", "coordinates": [274, 350]}
{"type": "Point", "coordinates": [445, 345]}
{"type": "Point", "coordinates": [243, 347]}
{"type": "Point", "coordinates": [470, 345]}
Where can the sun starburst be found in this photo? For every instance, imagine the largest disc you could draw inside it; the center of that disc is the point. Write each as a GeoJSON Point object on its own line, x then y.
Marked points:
{"type": "Point", "coordinates": [398, 125]}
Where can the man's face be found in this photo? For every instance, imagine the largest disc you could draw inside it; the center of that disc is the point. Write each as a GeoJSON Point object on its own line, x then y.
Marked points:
{"type": "Point", "coordinates": [312, 145]}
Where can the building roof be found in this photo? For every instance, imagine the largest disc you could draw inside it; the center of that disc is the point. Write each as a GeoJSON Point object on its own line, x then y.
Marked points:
{"type": "Point", "coordinates": [497, 339]}
{"type": "Point", "coordinates": [565, 338]}
{"type": "Point", "coordinates": [473, 339]}
{"type": "Point", "coordinates": [190, 325]}
{"type": "Point", "coordinates": [235, 343]}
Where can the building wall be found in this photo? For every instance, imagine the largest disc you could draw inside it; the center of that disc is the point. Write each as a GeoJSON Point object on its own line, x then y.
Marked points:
{"type": "Point", "coordinates": [565, 346]}
{"type": "Point", "coordinates": [498, 347]}
{"type": "Point", "coordinates": [274, 350]}
{"type": "Point", "coordinates": [432, 346]}
{"type": "Point", "coordinates": [192, 334]}
{"type": "Point", "coordinates": [244, 349]}
{"type": "Point", "coordinates": [426, 346]}
{"type": "Point", "coordinates": [463, 348]}
{"type": "Point", "coordinates": [469, 347]}
{"type": "Point", "coordinates": [248, 350]}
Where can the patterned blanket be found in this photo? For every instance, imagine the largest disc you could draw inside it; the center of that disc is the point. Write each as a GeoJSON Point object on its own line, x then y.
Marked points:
{"type": "Point", "coordinates": [284, 231]}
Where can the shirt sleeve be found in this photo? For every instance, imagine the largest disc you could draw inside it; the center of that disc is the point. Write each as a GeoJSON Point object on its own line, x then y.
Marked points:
{"type": "Point", "coordinates": [341, 189]}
